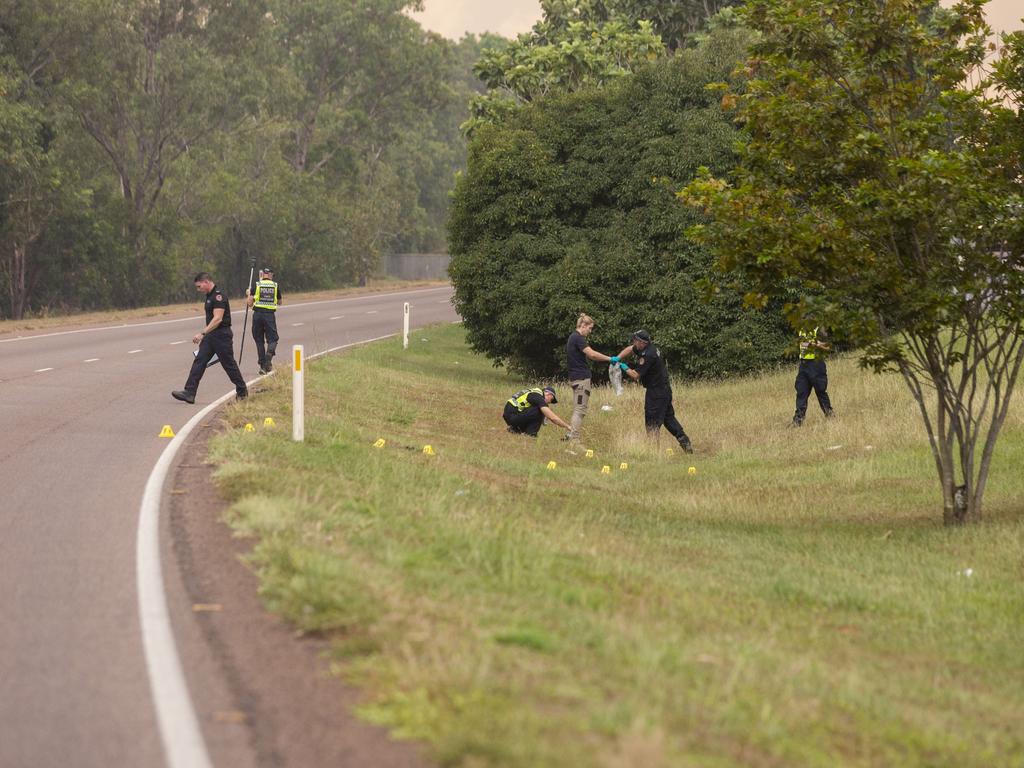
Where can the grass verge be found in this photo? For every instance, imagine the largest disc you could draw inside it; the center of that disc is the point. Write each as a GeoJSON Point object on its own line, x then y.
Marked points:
{"type": "Point", "coordinates": [795, 602]}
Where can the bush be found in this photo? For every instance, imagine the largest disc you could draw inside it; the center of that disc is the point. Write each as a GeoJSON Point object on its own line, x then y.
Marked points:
{"type": "Point", "coordinates": [570, 206]}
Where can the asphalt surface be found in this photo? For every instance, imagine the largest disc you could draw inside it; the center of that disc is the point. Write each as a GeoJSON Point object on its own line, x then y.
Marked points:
{"type": "Point", "coordinates": [80, 415]}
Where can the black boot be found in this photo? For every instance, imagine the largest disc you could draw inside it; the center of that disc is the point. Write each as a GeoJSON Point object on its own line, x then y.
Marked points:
{"type": "Point", "coordinates": [684, 443]}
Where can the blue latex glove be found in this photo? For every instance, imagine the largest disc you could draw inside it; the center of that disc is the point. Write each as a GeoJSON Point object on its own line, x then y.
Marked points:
{"type": "Point", "coordinates": [623, 366]}
{"type": "Point", "coordinates": [614, 359]}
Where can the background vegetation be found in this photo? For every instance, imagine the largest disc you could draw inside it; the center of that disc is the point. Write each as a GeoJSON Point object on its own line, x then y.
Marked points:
{"type": "Point", "coordinates": [792, 603]}
{"type": "Point", "coordinates": [140, 142]}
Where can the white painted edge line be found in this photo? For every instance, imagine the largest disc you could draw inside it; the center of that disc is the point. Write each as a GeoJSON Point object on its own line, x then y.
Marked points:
{"type": "Point", "coordinates": [192, 318]}
{"type": "Point", "coordinates": [134, 351]}
{"type": "Point", "coordinates": [92, 360]}
{"type": "Point", "coordinates": [180, 733]}
{"type": "Point", "coordinates": [42, 370]}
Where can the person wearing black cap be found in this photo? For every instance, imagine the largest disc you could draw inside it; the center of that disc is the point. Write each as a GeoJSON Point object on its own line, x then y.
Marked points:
{"type": "Point", "coordinates": [215, 339]}
{"type": "Point", "coordinates": [265, 300]}
{"type": "Point", "coordinates": [526, 410]}
{"type": "Point", "coordinates": [649, 369]}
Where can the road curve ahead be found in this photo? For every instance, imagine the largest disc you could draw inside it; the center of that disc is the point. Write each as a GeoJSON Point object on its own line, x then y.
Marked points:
{"type": "Point", "coordinates": [80, 414]}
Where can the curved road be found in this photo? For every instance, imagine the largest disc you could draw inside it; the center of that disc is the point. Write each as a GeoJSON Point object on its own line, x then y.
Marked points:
{"type": "Point", "coordinates": [80, 414]}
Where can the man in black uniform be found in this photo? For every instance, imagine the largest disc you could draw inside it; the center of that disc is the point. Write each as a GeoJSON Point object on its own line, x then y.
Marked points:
{"type": "Point", "coordinates": [650, 370]}
{"type": "Point", "coordinates": [264, 302]}
{"type": "Point", "coordinates": [526, 410]}
{"type": "Point", "coordinates": [812, 374]}
{"type": "Point", "coordinates": [215, 339]}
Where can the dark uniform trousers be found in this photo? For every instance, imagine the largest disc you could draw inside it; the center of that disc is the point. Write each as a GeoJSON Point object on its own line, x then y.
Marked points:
{"type": "Point", "coordinates": [811, 375]}
{"type": "Point", "coordinates": [658, 412]}
{"type": "Point", "coordinates": [218, 342]}
{"type": "Point", "coordinates": [264, 329]}
{"type": "Point", "coordinates": [528, 422]}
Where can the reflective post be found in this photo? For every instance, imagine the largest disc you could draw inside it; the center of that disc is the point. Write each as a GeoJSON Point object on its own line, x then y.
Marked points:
{"type": "Point", "coordinates": [298, 393]}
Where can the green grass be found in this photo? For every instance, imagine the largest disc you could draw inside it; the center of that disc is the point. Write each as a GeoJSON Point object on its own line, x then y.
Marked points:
{"type": "Point", "coordinates": [797, 602]}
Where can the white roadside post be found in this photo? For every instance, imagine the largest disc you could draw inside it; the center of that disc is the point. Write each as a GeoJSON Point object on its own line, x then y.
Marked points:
{"type": "Point", "coordinates": [298, 394]}
{"type": "Point", "coordinates": [405, 328]}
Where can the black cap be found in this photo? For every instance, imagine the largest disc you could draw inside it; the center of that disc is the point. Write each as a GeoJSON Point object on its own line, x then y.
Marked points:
{"type": "Point", "coordinates": [554, 399]}
{"type": "Point", "coordinates": [267, 269]}
{"type": "Point", "coordinates": [642, 335]}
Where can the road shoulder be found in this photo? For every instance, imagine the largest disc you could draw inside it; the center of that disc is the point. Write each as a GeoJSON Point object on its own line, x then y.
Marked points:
{"type": "Point", "coordinates": [263, 695]}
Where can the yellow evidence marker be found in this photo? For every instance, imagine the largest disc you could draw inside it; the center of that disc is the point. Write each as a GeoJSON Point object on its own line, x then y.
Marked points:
{"type": "Point", "coordinates": [623, 466]}
{"type": "Point", "coordinates": [606, 470]}
{"type": "Point", "coordinates": [692, 471]}
{"type": "Point", "coordinates": [379, 443]}
{"type": "Point", "coordinates": [669, 451]}
{"type": "Point", "coordinates": [552, 465]}
{"type": "Point", "coordinates": [249, 427]}
{"type": "Point", "coordinates": [167, 431]}
{"type": "Point", "coordinates": [269, 422]}
{"type": "Point", "coordinates": [428, 450]}
{"type": "Point", "coordinates": [590, 453]}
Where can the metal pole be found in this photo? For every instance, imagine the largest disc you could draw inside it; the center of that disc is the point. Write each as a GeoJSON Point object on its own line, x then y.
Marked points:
{"type": "Point", "coordinates": [298, 394]}
{"type": "Point", "coordinates": [405, 328]}
{"type": "Point", "coordinates": [252, 268]}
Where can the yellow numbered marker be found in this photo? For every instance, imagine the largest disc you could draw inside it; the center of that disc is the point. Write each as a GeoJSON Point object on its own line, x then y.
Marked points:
{"type": "Point", "coordinates": [167, 431]}
{"type": "Point", "coordinates": [590, 453]}
{"type": "Point", "coordinates": [250, 428]}
{"type": "Point", "coordinates": [606, 470]}
{"type": "Point", "coordinates": [623, 466]}
{"type": "Point", "coordinates": [428, 449]}
{"type": "Point", "coordinates": [379, 443]}
{"type": "Point", "coordinates": [269, 422]}
{"type": "Point", "coordinates": [669, 451]}
{"type": "Point", "coordinates": [552, 465]}
{"type": "Point", "coordinates": [692, 471]}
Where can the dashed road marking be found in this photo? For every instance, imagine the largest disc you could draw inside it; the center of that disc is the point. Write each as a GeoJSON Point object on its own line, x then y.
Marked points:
{"type": "Point", "coordinates": [134, 351]}
{"type": "Point", "coordinates": [178, 342]}
{"type": "Point", "coordinates": [43, 370]}
{"type": "Point", "coordinates": [296, 325]}
{"type": "Point", "coordinates": [372, 311]}
{"type": "Point", "coordinates": [92, 360]}
{"type": "Point", "coordinates": [337, 317]}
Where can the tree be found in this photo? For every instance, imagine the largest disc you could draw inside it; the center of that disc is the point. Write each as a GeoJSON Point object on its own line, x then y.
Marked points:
{"type": "Point", "coordinates": [570, 206]}
{"type": "Point", "coordinates": [878, 179]}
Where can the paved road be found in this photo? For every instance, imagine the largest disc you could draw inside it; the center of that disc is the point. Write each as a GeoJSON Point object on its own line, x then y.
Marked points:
{"type": "Point", "coordinates": [80, 412]}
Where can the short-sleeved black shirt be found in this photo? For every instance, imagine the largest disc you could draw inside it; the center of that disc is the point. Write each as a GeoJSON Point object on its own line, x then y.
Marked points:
{"type": "Point", "coordinates": [218, 299]}
{"type": "Point", "coordinates": [579, 368]}
{"type": "Point", "coordinates": [651, 367]}
{"type": "Point", "coordinates": [536, 399]}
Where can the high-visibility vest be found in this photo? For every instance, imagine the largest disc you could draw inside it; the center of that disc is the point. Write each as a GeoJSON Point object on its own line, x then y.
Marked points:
{"type": "Point", "coordinates": [810, 352]}
{"type": "Point", "coordinates": [266, 295]}
{"type": "Point", "coordinates": [519, 398]}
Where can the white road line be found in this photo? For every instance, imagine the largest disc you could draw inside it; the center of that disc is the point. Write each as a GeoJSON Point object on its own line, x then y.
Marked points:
{"type": "Point", "coordinates": [179, 727]}
{"type": "Point", "coordinates": [91, 360]}
{"type": "Point", "coordinates": [193, 318]}
{"type": "Point", "coordinates": [134, 351]}
{"type": "Point", "coordinates": [296, 325]}
{"type": "Point", "coordinates": [42, 370]}
{"type": "Point", "coordinates": [337, 317]}
{"type": "Point", "coordinates": [178, 342]}
{"type": "Point", "coordinates": [372, 311]}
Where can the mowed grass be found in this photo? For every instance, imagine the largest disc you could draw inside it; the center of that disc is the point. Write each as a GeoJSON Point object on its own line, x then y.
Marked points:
{"type": "Point", "coordinates": [796, 602]}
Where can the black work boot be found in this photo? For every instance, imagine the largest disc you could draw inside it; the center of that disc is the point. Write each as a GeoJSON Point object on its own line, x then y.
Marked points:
{"type": "Point", "coordinates": [185, 397]}
{"type": "Point", "coordinates": [684, 443]}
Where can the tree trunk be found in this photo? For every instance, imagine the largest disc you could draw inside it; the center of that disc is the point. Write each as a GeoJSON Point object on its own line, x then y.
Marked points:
{"type": "Point", "coordinates": [18, 292]}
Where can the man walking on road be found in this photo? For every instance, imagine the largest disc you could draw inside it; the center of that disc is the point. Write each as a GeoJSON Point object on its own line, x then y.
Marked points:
{"type": "Point", "coordinates": [578, 353]}
{"type": "Point", "coordinates": [650, 370]}
{"type": "Point", "coordinates": [264, 302]}
{"type": "Point", "coordinates": [215, 339]}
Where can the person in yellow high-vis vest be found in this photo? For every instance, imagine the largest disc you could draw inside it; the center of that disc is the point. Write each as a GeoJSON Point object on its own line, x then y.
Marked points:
{"type": "Point", "coordinates": [264, 299]}
{"type": "Point", "coordinates": [812, 374]}
{"type": "Point", "coordinates": [526, 410]}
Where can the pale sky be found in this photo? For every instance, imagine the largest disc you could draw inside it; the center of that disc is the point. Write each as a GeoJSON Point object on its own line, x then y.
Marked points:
{"type": "Point", "coordinates": [452, 18]}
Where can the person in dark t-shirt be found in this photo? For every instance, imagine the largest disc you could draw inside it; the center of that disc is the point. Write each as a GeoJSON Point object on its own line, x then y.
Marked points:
{"type": "Point", "coordinates": [578, 354]}
{"type": "Point", "coordinates": [215, 339]}
{"type": "Point", "coordinates": [650, 371]}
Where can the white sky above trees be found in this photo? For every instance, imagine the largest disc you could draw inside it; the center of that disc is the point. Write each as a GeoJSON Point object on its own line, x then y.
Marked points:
{"type": "Point", "coordinates": [453, 18]}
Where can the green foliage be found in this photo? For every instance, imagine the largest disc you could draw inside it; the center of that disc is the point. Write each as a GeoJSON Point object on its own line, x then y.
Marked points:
{"type": "Point", "coordinates": [882, 179]}
{"type": "Point", "coordinates": [570, 207]}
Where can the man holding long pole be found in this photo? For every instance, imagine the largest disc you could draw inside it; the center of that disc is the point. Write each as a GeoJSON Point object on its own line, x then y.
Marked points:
{"type": "Point", "coordinates": [265, 300]}
{"type": "Point", "coordinates": [245, 322]}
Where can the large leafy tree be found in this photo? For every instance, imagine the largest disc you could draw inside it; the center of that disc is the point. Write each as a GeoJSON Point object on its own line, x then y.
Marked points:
{"type": "Point", "coordinates": [570, 206]}
{"type": "Point", "coordinates": [882, 178]}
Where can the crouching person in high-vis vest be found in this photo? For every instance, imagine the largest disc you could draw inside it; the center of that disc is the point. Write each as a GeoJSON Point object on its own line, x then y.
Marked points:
{"type": "Point", "coordinates": [264, 300]}
{"type": "Point", "coordinates": [526, 410]}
